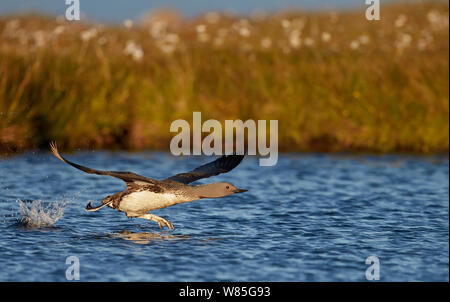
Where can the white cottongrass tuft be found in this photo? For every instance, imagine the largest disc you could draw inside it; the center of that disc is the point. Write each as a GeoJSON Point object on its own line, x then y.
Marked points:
{"type": "Point", "coordinates": [158, 29]}
{"type": "Point", "coordinates": [88, 34]}
{"type": "Point", "coordinates": [326, 36]}
{"type": "Point", "coordinates": [39, 38]}
{"type": "Point", "coordinates": [242, 27]}
{"type": "Point", "coordinates": [128, 23]}
{"type": "Point", "coordinates": [266, 42]}
{"type": "Point", "coordinates": [437, 20]}
{"type": "Point", "coordinates": [285, 23]}
{"type": "Point", "coordinates": [364, 39]}
{"type": "Point", "coordinates": [202, 35]}
{"type": "Point", "coordinates": [354, 44]}
{"type": "Point", "coordinates": [403, 41]}
{"type": "Point", "coordinates": [200, 28]}
{"type": "Point", "coordinates": [400, 21]}
{"type": "Point", "coordinates": [244, 32]}
{"type": "Point", "coordinates": [59, 30]}
{"type": "Point", "coordinates": [294, 38]}
{"type": "Point", "coordinates": [168, 43]}
{"type": "Point", "coordinates": [134, 50]}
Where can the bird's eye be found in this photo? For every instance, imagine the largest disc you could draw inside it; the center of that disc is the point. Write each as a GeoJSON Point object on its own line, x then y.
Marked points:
{"type": "Point", "coordinates": [227, 187]}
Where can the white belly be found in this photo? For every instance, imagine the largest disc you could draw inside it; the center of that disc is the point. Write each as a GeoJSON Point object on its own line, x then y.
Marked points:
{"type": "Point", "coordinates": [144, 201]}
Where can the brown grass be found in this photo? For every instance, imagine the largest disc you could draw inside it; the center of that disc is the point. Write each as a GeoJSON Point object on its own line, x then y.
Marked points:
{"type": "Point", "coordinates": [335, 81]}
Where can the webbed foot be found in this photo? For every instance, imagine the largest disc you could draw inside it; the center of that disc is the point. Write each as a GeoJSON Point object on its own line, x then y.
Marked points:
{"type": "Point", "coordinates": [161, 221]}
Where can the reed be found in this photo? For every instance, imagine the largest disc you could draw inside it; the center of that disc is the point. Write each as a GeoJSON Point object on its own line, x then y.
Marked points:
{"type": "Point", "coordinates": [335, 81]}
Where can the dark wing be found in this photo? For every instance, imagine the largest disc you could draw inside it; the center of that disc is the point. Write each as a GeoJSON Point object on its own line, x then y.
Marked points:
{"type": "Point", "coordinates": [223, 164]}
{"type": "Point", "coordinates": [127, 177]}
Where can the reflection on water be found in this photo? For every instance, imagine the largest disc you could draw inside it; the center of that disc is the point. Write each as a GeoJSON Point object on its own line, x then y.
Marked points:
{"type": "Point", "coordinates": [145, 237]}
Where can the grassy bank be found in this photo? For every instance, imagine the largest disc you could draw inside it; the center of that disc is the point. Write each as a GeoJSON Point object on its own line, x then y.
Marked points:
{"type": "Point", "coordinates": [335, 81]}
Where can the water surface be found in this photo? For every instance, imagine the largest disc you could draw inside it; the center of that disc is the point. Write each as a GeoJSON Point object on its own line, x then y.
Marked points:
{"type": "Point", "coordinates": [312, 217]}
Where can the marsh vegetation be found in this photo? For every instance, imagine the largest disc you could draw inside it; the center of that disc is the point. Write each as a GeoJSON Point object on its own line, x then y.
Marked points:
{"type": "Point", "coordinates": [335, 81]}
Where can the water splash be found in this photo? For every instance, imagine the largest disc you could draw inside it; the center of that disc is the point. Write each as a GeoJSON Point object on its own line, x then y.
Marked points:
{"type": "Point", "coordinates": [36, 214]}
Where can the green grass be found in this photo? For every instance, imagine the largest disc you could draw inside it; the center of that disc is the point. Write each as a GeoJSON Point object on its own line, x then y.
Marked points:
{"type": "Point", "coordinates": [390, 94]}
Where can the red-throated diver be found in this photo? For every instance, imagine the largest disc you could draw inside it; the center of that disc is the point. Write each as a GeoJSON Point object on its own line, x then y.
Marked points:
{"type": "Point", "coordinates": [145, 194]}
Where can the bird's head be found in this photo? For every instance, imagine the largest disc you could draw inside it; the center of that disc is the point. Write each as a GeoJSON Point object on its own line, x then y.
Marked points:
{"type": "Point", "coordinates": [218, 189]}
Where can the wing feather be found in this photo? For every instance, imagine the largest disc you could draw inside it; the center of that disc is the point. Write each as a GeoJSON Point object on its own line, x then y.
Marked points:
{"type": "Point", "coordinates": [128, 177]}
{"type": "Point", "coordinates": [223, 164]}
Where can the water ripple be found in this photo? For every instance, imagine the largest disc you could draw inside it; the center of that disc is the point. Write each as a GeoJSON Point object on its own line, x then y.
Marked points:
{"type": "Point", "coordinates": [312, 217]}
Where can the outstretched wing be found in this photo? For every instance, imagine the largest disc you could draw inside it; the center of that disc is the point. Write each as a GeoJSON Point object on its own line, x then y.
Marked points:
{"type": "Point", "coordinates": [127, 177]}
{"type": "Point", "coordinates": [223, 164]}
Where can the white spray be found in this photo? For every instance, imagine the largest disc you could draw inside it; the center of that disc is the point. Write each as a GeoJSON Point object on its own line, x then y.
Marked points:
{"type": "Point", "coordinates": [37, 215]}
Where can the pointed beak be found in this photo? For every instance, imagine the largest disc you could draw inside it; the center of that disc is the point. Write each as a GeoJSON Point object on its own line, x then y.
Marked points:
{"type": "Point", "coordinates": [240, 191]}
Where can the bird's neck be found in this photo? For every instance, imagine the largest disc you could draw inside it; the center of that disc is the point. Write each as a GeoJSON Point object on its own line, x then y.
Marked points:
{"type": "Point", "coordinates": [204, 191]}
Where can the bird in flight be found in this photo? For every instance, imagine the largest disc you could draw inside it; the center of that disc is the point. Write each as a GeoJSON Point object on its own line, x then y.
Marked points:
{"type": "Point", "coordinates": [143, 194]}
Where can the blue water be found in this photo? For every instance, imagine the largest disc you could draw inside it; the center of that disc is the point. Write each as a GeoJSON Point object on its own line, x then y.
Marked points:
{"type": "Point", "coordinates": [118, 10]}
{"type": "Point", "coordinates": [312, 217]}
